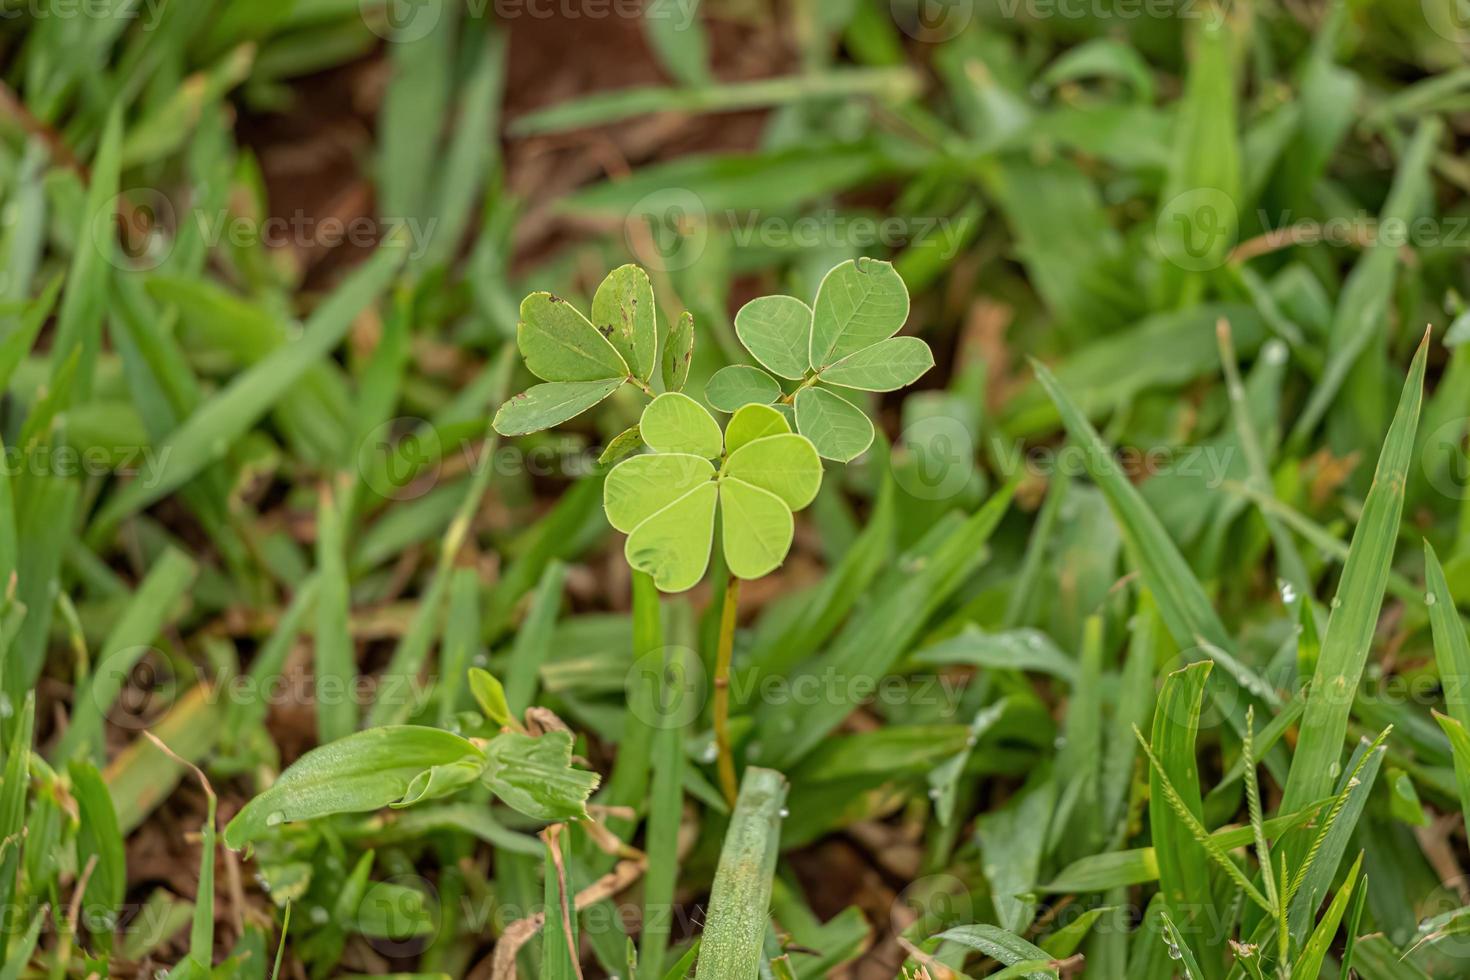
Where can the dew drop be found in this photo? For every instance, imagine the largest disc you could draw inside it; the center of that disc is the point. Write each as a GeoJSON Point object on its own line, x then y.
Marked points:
{"type": "Point", "coordinates": [785, 813]}
{"type": "Point", "coordinates": [275, 818]}
{"type": "Point", "coordinates": [1288, 593]}
{"type": "Point", "coordinates": [1429, 598]}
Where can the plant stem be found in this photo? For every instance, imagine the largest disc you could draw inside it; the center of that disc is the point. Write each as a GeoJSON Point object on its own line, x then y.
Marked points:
{"type": "Point", "coordinates": [728, 783]}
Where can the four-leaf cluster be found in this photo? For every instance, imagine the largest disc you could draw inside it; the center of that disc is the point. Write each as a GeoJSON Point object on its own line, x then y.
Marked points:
{"type": "Point", "coordinates": [666, 501]}
{"type": "Point", "coordinates": [784, 419]}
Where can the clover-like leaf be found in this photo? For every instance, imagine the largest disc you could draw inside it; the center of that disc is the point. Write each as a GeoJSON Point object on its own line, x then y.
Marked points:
{"type": "Point", "coordinates": [678, 353]}
{"type": "Point", "coordinates": [623, 311]}
{"type": "Point", "coordinates": [777, 331]}
{"type": "Point", "coordinates": [534, 774]}
{"type": "Point", "coordinates": [673, 545]}
{"type": "Point", "coordinates": [784, 465]}
{"type": "Point", "coordinates": [858, 304]}
{"type": "Point", "coordinates": [365, 771]}
{"type": "Point", "coordinates": [758, 528]}
{"type": "Point", "coordinates": [640, 487]}
{"type": "Point", "coordinates": [886, 366]}
{"type": "Point", "coordinates": [553, 403]}
{"type": "Point", "coordinates": [560, 344]}
{"type": "Point", "coordinates": [740, 384]}
{"type": "Point", "coordinates": [837, 428]}
{"type": "Point", "coordinates": [625, 443]}
{"type": "Point", "coordinates": [675, 423]}
{"type": "Point", "coordinates": [754, 422]}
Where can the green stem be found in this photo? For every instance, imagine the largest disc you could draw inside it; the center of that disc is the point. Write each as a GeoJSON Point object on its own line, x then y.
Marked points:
{"type": "Point", "coordinates": [728, 783]}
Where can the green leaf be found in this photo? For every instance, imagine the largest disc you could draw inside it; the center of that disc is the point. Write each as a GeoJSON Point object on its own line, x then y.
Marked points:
{"type": "Point", "coordinates": [751, 423]}
{"type": "Point", "coordinates": [490, 696]}
{"type": "Point", "coordinates": [553, 403]}
{"type": "Point", "coordinates": [1355, 609]}
{"type": "Point", "coordinates": [1309, 962]}
{"type": "Point", "coordinates": [741, 895]}
{"type": "Point", "coordinates": [1184, 864]}
{"type": "Point", "coordinates": [740, 384]}
{"type": "Point", "coordinates": [676, 423]}
{"type": "Point", "coordinates": [1179, 949]}
{"type": "Point", "coordinates": [999, 944]}
{"type": "Point", "coordinates": [785, 465]}
{"type": "Point", "coordinates": [678, 353]}
{"type": "Point", "coordinates": [1460, 750]}
{"type": "Point", "coordinates": [1451, 646]}
{"type": "Point", "coordinates": [639, 487]}
{"type": "Point", "coordinates": [859, 303]}
{"type": "Point", "coordinates": [758, 528]}
{"type": "Point", "coordinates": [98, 835]}
{"type": "Point", "coordinates": [560, 344]}
{"type": "Point", "coordinates": [673, 545]}
{"type": "Point", "coordinates": [777, 331]}
{"type": "Point", "coordinates": [535, 775]}
{"type": "Point", "coordinates": [838, 428]}
{"type": "Point", "coordinates": [625, 443]}
{"type": "Point", "coordinates": [623, 311]}
{"type": "Point", "coordinates": [887, 366]}
{"type": "Point", "coordinates": [365, 771]}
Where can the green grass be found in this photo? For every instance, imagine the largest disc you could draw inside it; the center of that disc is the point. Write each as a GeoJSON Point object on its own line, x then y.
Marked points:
{"type": "Point", "coordinates": [983, 500]}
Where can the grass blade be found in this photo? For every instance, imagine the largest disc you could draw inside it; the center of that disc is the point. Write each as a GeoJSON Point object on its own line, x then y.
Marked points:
{"type": "Point", "coordinates": [741, 894]}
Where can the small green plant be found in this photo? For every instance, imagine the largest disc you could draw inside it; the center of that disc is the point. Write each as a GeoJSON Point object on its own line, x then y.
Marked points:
{"type": "Point", "coordinates": [756, 473]}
